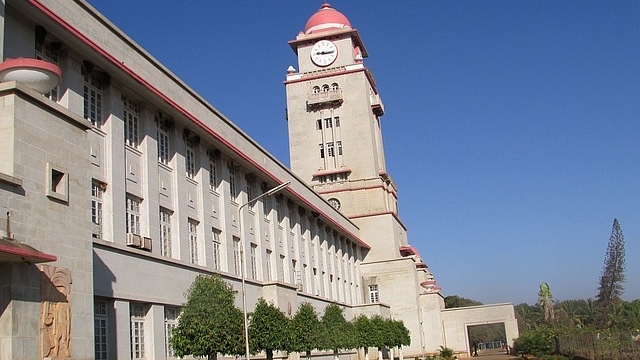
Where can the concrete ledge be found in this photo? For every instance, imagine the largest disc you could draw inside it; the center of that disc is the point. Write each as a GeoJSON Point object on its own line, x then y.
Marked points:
{"type": "Point", "coordinates": [11, 180]}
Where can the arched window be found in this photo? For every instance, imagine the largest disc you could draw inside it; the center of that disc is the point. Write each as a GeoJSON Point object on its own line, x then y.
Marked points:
{"type": "Point", "coordinates": [316, 89]}
{"type": "Point", "coordinates": [334, 86]}
{"type": "Point", "coordinates": [325, 88]}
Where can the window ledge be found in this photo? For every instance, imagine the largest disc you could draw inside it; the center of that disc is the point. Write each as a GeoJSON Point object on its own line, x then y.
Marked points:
{"type": "Point", "coordinates": [11, 180]}
{"type": "Point", "coordinates": [331, 172]}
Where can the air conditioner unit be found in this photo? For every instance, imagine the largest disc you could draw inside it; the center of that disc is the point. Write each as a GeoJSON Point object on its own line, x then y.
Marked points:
{"type": "Point", "coordinates": [146, 243]}
{"type": "Point", "coordinates": [134, 240]}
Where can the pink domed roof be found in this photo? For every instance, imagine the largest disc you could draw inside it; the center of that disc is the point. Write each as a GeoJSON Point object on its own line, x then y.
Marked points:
{"type": "Point", "coordinates": [326, 18]}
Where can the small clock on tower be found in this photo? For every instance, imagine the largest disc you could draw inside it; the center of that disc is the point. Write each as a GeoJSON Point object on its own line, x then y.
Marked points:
{"type": "Point", "coordinates": [324, 53]}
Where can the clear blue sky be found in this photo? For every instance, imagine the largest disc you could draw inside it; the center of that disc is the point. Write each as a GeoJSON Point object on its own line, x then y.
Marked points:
{"type": "Point", "coordinates": [512, 128]}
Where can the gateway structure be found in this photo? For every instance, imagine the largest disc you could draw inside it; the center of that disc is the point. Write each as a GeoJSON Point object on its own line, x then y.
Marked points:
{"type": "Point", "coordinates": [119, 185]}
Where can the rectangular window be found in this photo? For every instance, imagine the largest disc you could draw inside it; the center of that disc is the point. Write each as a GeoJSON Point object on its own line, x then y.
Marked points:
{"type": "Point", "coordinates": [305, 278]}
{"type": "Point", "coordinates": [254, 266]}
{"type": "Point", "coordinates": [97, 190]}
{"type": "Point", "coordinates": [133, 215]}
{"type": "Point", "coordinates": [213, 175]}
{"type": "Point", "coordinates": [232, 182]}
{"type": "Point", "coordinates": [165, 232]}
{"type": "Point", "coordinates": [339, 146]}
{"type": "Point", "coordinates": [316, 281]}
{"type": "Point", "coordinates": [100, 329]}
{"type": "Point", "coordinates": [131, 119]}
{"type": "Point", "coordinates": [374, 296]}
{"type": "Point", "coordinates": [295, 275]}
{"type": "Point", "coordinates": [336, 121]}
{"type": "Point", "coordinates": [236, 255]}
{"type": "Point", "coordinates": [57, 183]}
{"type": "Point", "coordinates": [163, 144]}
{"type": "Point", "coordinates": [93, 99]}
{"type": "Point", "coordinates": [321, 151]}
{"type": "Point", "coordinates": [46, 51]}
{"type": "Point", "coordinates": [319, 124]}
{"type": "Point", "coordinates": [280, 214]}
{"type": "Point", "coordinates": [283, 268]}
{"type": "Point", "coordinates": [193, 241]}
{"type": "Point", "coordinates": [265, 207]}
{"type": "Point", "coordinates": [250, 193]}
{"type": "Point", "coordinates": [170, 323]}
{"type": "Point", "coordinates": [328, 123]}
{"type": "Point", "coordinates": [190, 161]}
{"type": "Point", "coordinates": [137, 331]}
{"type": "Point", "coordinates": [216, 248]}
{"type": "Point", "coordinates": [268, 265]}
{"type": "Point", "coordinates": [330, 149]}
{"type": "Point", "coordinates": [330, 288]}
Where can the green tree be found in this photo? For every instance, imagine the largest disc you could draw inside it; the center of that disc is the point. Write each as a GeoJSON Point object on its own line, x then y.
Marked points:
{"type": "Point", "coordinates": [336, 332]}
{"type": "Point", "coordinates": [590, 310]}
{"type": "Point", "coordinates": [486, 333]}
{"type": "Point", "coordinates": [571, 313]}
{"type": "Point", "coordinates": [632, 314]}
{"type": "Point", "coordinates": [378, 333]}
{"type": "Point", "coordinates": [363, 336]}
{"type": "Point", "coordinates": [397, 335]}
{"type": "Point", "coordinates": [545, 301]}
{"type": "Point", "coordinates": [455, 301]}
{"type": "Point", "coordinates": [268, 329]}
{"type": "Point", "coordinates": [610, 287]}
{"type": "Point", "coordinates": [529, 317]}
{"type": "Point", "coordinates": [209, 324]}
{"type": "Point", "coordinates": [304, 330]}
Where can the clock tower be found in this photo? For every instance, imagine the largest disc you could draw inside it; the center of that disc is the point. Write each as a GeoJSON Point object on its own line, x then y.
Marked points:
{"type": "Point", "coordinates": [334, 116]}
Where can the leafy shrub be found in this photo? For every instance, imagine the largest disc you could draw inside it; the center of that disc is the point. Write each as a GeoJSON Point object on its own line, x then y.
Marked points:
{"type": "Point", "coordinates": [537, 342]}
{"type": "Point", "coordinates": [446, 353]}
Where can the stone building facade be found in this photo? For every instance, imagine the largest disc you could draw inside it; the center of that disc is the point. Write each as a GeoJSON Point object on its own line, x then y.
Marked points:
{"type": "Point", "coordinates": [119, 185]}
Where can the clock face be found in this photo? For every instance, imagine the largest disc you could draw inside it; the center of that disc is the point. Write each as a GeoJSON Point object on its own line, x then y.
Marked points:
{"type": "Point", "coordinates": [335, 203]}
{"type": "Point", "coordinates": [324, 53]}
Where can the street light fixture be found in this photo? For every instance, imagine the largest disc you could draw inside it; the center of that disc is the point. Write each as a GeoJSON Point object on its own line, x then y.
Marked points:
{"type": "Point", "coordinates": [244, 265]}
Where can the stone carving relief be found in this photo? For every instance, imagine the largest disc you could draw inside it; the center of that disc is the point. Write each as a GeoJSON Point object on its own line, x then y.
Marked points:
{"type": "Point", "coordinates": [55, 331]}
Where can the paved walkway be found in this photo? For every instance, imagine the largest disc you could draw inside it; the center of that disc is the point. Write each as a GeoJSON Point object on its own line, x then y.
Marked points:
{"type": "Point", "coordinates": [497, 354]}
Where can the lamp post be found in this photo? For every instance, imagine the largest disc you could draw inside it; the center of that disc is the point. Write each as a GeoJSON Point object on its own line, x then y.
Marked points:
{"type": "Point", "coordinates": [244, 265]}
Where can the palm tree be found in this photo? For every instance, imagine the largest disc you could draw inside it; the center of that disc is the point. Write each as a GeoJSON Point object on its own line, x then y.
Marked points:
{"type": "Point", "coordinates": [589, 310]}
{"type": "Point", "coordinates": [529, 316]}
{"type": "Point", "coordinates": [546, 302]}
{"type": "Point", "coordinates": [616, 316]}
{"type": "Point", "coordinates": [569, 311]}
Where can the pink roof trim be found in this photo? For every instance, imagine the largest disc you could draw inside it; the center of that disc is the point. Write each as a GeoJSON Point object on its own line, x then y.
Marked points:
{"type": "Point", "coordinates": [408, 249]}
{"type": "Point", "coordinates": [31, 63]}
